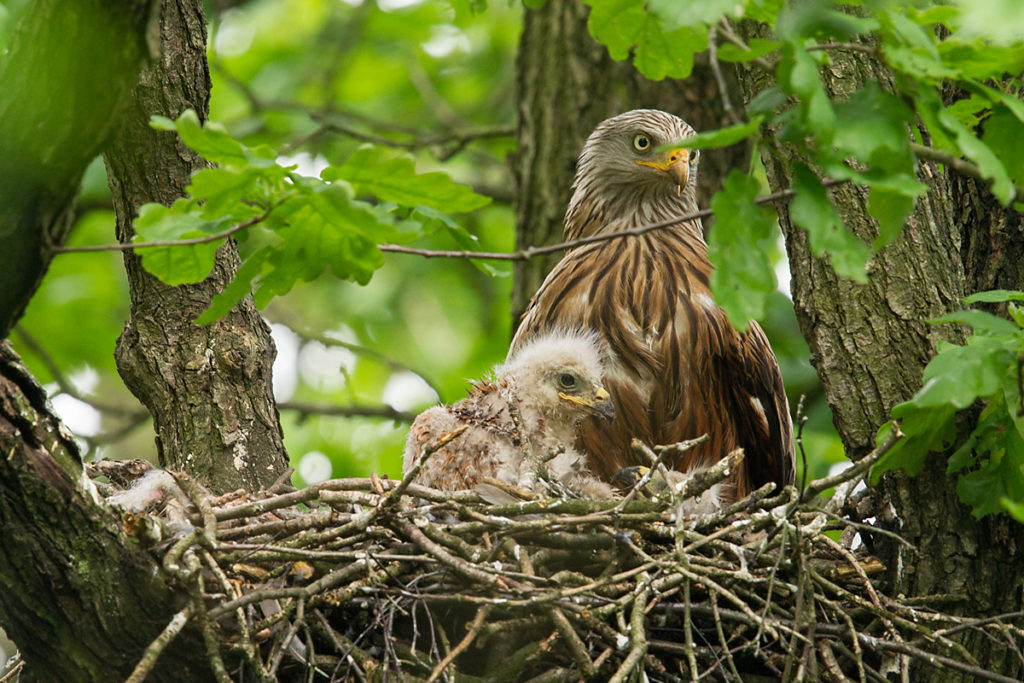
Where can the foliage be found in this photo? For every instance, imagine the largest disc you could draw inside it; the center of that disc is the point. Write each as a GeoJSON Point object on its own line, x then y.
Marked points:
{"type": "Point", "coordinates": [307, 224]}
{"type": "Point", "coordinates": [985, 373]}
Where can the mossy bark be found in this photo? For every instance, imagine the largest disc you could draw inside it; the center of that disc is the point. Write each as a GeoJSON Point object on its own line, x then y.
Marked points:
{"type": "Point", "coordinates": [207, 387]}
{"type": "Point", "coordinates": [78, 597]}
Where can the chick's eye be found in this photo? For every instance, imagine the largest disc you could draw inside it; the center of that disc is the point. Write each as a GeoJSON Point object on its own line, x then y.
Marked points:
{"type": "Point", "coordinates": [693, 155]}
{"type": "Point", "coordinates": [641, 142]}
{"type": "Point", "coordinates": [567, 381]}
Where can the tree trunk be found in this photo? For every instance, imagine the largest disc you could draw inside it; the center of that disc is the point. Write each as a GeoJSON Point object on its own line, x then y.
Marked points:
{"type": "Point", "coordinates": [73, 584]}
{"type": "Point", "coordinates": [566, 83]}
{"type": "Point", "coordinates": [870, 343]}
{"type": "Point", "coordinates": [207, 387]}
{"type": "Point", "coordinates": [61, 86]}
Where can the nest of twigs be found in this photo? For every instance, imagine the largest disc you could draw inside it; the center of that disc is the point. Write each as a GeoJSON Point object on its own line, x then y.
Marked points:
{"type": "Point", "coordinates": [372, 579]}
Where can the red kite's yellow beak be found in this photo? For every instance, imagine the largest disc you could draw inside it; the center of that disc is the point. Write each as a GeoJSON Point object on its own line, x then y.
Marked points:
{"type": "Point", "coordinates": [675, 162]}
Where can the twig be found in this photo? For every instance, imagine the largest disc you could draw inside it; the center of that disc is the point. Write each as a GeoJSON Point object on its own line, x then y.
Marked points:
{"type": "Point", "coordinates": [154, 649]}
{"type": "Point", "coordinates": [129, 246]}
{"type": "Point", "coordinates": [384, 411]}
{"type": "Point", "coordinates": [716, 71]}
{"type": "Point", "coordinates": [961, 166]}
{"type": "Point", "coordinates": [858, 468]}
{"type": "Point", "coordinates": [637, 634]}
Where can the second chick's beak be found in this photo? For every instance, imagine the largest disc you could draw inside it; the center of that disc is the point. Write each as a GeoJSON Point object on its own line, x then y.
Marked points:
{"type": "Point", "coordinates": [675, 162]}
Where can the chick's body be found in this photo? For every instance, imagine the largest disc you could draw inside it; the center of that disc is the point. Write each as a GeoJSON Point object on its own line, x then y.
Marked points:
{"type": "Point", "coordinates": [522, 423]}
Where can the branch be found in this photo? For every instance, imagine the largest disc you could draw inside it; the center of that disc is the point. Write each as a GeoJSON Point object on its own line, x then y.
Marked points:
{"type": "Point", "coordinates": [716, 71]}
{"type": "Point", "coordinates": [385, 411]}
{"type": "Point", "coordinates": [130, 246]}
{"type": "Point", "coordinates": [533, 252]}
{"type": "Point", "coordinates": [961, 166]}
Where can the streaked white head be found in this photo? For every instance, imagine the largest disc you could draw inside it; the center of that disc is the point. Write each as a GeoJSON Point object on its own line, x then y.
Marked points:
{"type": "Point", "coordinates": [559, 375]}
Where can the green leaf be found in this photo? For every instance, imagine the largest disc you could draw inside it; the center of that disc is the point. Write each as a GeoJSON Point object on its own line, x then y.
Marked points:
{"type": "Point", "coordinates": [959, 375]}
{"type": "Point", "coordinates": [739, 243]}
{"type": "Point", "coordinates": [988, 163]}
{"type": "Point", "coordinates": [817, 19]}
{"type": "Point", "coordinates": [179, 264]}
{"type": "Point", "coordinates": [622, 25]}
{"type": "Point", "coordinates": [465, 239]}
{"type": "Point", "coordinates": [798, 75]}
{"type": "Point", "coordinates": [812, 210]}
{"type": "Point", "coordinates": [1000, 476]}
{"type": "Point", "coordinates": [999, 21]}
{"type": "Point", "coordinates": [222, 190]}
{"type": "Point", "coordinates": [871, 125]}
{"type": "Point", "coordinates": [1004, 135]}
{"type": "Point", "coordinates": [982, 322]}
{"type": "Point", "coordinates": [674, 14]}
{"type": "Point", "coordinates": [213, 144]}
{"type": "Point", "coordinates": [924, 431]}
{"type": "Point", "coordinates": [890, 209]}
{"type": "Point", "coordinates": [373, 170]}
{"type": "Point", "coordinates": [245, 281]}
{"type": "Point", "coordinates": [994, 296]}
{"type": "Point", "coordinates": [1013, 508]}
{"type": "Point", "coordinates": [722, 137]}
{"type": "Point", "coordinates": [325, 230]}
{"type": "Point", "coordinates": [727, 52]}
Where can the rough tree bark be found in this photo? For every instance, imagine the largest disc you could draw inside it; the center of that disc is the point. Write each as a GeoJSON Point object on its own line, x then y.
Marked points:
{"type": "Point", "coordinates": [870, 343]}
{"type": "Point", "coordinates": [62, 85]}
{"type": "Point", "coordinates": [72, 582]}
{"type": "Point", "coordinates": [207, 387]}
{"type": "Point", "coordinates": [565, 85]}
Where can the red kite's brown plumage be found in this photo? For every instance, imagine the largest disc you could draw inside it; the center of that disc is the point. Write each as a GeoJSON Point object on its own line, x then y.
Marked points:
{"type": "Point", "coordinates": [679, 368]}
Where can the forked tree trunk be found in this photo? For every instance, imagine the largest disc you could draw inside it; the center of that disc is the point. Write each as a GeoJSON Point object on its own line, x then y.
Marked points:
{"type": "Point", "coordinates": [565, 85]}
{"type": "Point", "coordinates": [870, 343]}
{"type": "Point", "coordinates": [207, 387]}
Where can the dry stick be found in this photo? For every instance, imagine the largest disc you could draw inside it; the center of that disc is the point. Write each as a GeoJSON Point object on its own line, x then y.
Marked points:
{"type": "Point", "coordinates": [153, 651]}
{"type": "Point", "coordinates": [831, 664]}
{"type": "Point", "coordinates": [12, 675]}
{"type": "Point", "coordinates": [391, 497]}
{"type": "Point", "coordinates": [870, 590]}
{"type": "Point", "coordinates": [858, 468]}
{"type": "Point", "coordinates": [716, 71]}
{"type": "Point", "coordinates": [726, 650]}
{"type": "Point", "coordinates": [293, 629]}
{"type": "Point", "coordinates": [446, 558]}
{"type": "Point", "coordinates": [637, 635]}
{"type": "Point", "coordinates": [382, 411]}
{"type": "Point", "coordinates": [210, 634]}
{"type": "Point", "coordinates": [321, 585]}
{"type": "Point", "coordinates": [691, 659]}
{"type": "Point", "coordinates": [934, 659]}
{"type": "Point", "coordinates": [577, 648]}
{"type": "Point", "coordinates": [471, 634]}
{"type": "Point", "coordinates": [247, 644]}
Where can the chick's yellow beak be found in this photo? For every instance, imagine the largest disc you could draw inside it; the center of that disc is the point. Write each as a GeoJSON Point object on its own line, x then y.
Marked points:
{"type": "Point", "coordinates": [675, 162]}
{"type": "Point", "coordinates": [599, 403]}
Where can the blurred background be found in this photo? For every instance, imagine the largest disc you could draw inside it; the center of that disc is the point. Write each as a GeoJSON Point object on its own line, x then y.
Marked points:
{"type": "Point", "coordinates": [314, 79]}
